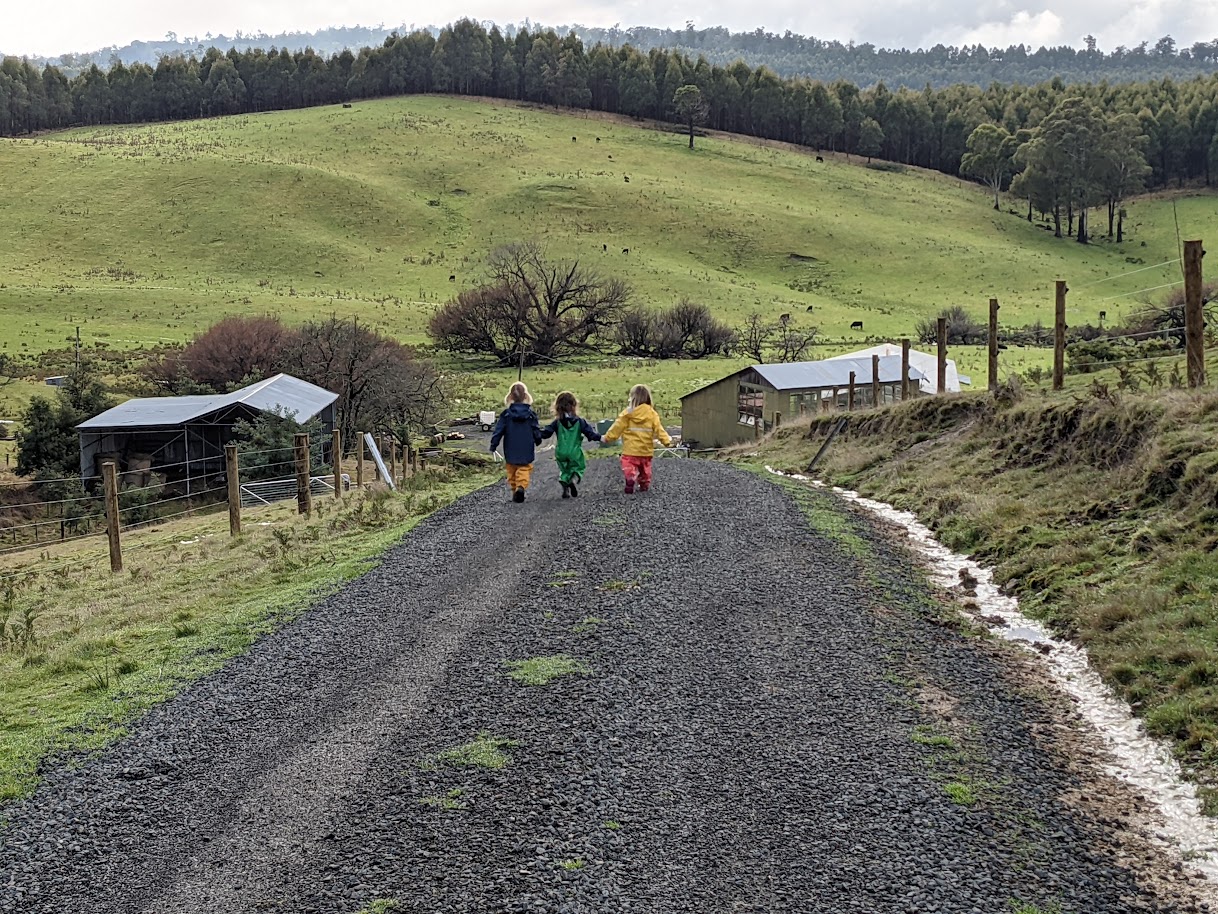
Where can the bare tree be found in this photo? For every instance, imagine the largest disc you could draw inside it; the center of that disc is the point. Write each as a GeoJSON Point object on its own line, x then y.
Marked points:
{"type": "Point", "coordinates": [532, 307]}
{"type": "Point", "coordinates": [379, 382]}
{"type": "Point", "coordinates": [791, 343]}
{"type": "Point", "coordinates": [754, 336]}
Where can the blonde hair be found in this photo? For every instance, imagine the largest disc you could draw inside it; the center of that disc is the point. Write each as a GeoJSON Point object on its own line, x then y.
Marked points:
{"type": "Point", "coordinates": [640, 394]}
{"type": "Point", "coordinates": [517, 393]}
{"type": "Point", "coordinates": [566, 404]}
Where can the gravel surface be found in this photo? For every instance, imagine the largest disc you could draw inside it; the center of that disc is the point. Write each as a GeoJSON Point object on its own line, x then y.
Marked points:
{"type": "Point", "coordinates": [773, 719]}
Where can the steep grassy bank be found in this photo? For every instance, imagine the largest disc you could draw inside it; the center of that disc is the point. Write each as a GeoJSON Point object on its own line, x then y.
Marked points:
{"type": "Point", "coordinates": [83, 651]}
{"type": "Point", "coordinates": [1100, 511]}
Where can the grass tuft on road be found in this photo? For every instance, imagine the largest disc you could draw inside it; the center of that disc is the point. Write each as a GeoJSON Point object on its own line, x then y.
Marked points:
{"type": "Point", "coordinates": [95, 650]}
{"type": "Point", "coordinates": [487, 751]}
{"type": "Point", "coordinates": [540, 671]}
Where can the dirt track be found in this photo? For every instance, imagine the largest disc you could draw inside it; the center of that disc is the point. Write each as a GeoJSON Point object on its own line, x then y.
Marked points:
{"type": "Point", "coordinates": [775, 719]}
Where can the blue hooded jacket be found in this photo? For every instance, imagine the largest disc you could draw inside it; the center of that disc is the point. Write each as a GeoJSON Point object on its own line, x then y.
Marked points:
{"type": "Point", "coordinates": [519, 431]}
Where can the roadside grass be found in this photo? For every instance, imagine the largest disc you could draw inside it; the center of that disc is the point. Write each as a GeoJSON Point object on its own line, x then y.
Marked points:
{"type": "Point", "coordinates": [540, 671]}
{"type": "Point", "coordinates": [1098, 508]}
{"type": "Point", "coordinates": [572, 864]}
{"type": "Point", "coordinates": [925, 735]}
{"type": "Point", "coordinates": [105, 647]}
{"type": "Point", "coordinates": [486, 751]}
{"type": "Point", "coordinates": [160, 230]}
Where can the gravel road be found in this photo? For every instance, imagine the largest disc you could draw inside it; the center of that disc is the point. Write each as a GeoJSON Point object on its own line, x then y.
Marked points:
{"type": "Point", "coordinates": [777, 716]}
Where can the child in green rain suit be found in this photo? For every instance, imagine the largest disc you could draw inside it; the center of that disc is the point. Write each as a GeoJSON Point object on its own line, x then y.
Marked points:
{"type": "Point", "coordinates": [569, 450]}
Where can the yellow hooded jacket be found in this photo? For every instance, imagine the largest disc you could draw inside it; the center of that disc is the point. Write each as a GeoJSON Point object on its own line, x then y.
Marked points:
{"type": "Point", "coordinates": [638, 428]}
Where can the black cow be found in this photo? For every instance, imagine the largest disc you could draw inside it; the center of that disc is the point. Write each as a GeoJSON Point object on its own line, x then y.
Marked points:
{"type": "Point", "coordinates": [820, 158]}
{"type": "Point", "coordinates": [604, 248]}
{"type": "Point", "coordinates": [625, 250]}
{"type": "Point", "coordinates": [573, 139]}
{"type": "Point", "coordinates": [452, 277]}
{"type": "Point", "coordinates": [626, 178]}
{"type": "Point", "coordinates": [857, 325]}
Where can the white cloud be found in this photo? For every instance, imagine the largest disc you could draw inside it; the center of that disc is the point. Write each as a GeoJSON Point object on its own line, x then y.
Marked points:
{"type": "Point", "coordinates": [1034, 29]}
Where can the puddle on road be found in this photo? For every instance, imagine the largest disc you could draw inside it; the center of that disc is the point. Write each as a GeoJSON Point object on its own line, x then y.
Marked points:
{"type": "Point", "coordinates": [1135, 757]}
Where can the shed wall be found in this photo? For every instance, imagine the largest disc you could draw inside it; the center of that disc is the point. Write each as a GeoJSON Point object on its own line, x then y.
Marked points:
{"type": "Point", "coordinates": [709, 416]}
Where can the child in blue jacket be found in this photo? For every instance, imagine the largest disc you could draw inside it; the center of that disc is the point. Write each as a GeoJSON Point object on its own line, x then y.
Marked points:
{"type": "Point", "coordinates": [519, 431]}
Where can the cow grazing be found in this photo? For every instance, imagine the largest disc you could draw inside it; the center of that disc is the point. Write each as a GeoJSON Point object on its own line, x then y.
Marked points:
{"type": "Point", "coordinates": [809, 309]}
{"type": "Point", "coordinates": [598, 139]}
{"type": "Point", "coordinates": [626, 178]}
{"type": "Point", "coordinates": [573, 139]}
{"type": "Point", "coordinates": [857, 325]}
{"type": "Point", "coordinates": [452, 277]}
{"type": "Point", "coordinates": [625, 250]}
{"type": "Point", "coordinates": [346, 104]}
{"type": "Point", "coordinates": [820, 158]}
{"type": "Point", "coordinates": [784, 319]}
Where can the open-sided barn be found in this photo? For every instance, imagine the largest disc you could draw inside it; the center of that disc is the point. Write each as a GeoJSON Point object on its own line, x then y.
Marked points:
{"type": "Point", "coordinates": [733, 409]}
{"type": "Point", "coordinates": [183, 438]}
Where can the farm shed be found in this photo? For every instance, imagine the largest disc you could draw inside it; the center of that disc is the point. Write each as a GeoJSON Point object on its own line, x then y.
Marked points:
{"type": "Point", "coordinates": [729, 410]}
{"type": "Point", "coordinates": [925, 362]}
{"type": "Point", "coordinates": [183, 438]}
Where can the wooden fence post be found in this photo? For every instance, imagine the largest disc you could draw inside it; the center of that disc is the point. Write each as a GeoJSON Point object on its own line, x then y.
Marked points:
{"type": "Point", "coordinates": [380, 449]}
{"type": "Point", "coordinates": [905, 369]}
{"type": "Point", "coordinates": [113, 518]}
{"type": "Point", "coordinates": [850, 394]}
{"type": "Point", "coordinates": [393, 458]}
{"type": "Point", "coordinates": [336, 460]}
{"type": "Point", "coordinates": [941, 384]}
{"type": "Point", "coordinates": [993, 344]}
{"type": "Point", "coordinates": [232, 469]}
{"type": "Point", "coordinates": [1194, 314]}
{"type": "Point", "coordinates": [304, 494]}
{"type": "Point", "coordinates": [875, 380]}
{"type": "Point", "coordinates": [359, 460]}
{"type": "Point", "coordinates": [1059, 335]}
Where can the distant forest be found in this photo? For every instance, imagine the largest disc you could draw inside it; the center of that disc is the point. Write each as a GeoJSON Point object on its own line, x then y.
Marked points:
{"type": "Point", "coordinates": [788, 54]}
{"type": "Point", "coordinates": [1063, 148]}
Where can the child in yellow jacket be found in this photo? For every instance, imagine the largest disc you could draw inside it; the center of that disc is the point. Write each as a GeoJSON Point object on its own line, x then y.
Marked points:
{"type": "Point", "coordinates": [638, 426]}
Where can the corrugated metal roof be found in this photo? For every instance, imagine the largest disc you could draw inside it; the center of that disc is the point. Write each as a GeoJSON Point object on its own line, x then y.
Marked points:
{"type": "Point", "coordinates": [831, 373]}
{"type": "Point", "coordinates": [293, 395]}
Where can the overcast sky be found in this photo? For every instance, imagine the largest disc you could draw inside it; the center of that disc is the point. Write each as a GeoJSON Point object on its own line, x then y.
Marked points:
{"type": "Point", "coordinates": [53, 28]}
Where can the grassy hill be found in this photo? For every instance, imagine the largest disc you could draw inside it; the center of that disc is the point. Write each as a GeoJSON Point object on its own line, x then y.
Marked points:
{"type": "Point", "coordinates": [150, 233]}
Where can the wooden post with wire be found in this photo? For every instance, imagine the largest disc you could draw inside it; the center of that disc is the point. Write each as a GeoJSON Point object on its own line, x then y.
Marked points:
{"type": "Point", "coordinates": [904, 369]}
{"type": "Point", "coordinates": [336, 460]}
{"type": "Point", "coordinates": [1059, 335]}
{"type": "Point", "coordinates": [941, 327]}
{"type": "Point", "coordinates": [993, 344]}
{"type": "Point", "coordinates": [1194, 314]}
{"type": "Point", "coordinates": [113, 518]}
{"type": "Point", "coordinates": [304, 494]}
{"type": "Point", "coordinates": [393, 458]}
{"type": "Point", "coordinates": [850, 394]}
{"type": "Point", "coordinates": [380, 449]}
{"type": "Point", "coordinates": [359, 461]}
{"type": "Point", "coordinates": [232, 471]}
{"type": "Point", "coordinates": [875, 380]}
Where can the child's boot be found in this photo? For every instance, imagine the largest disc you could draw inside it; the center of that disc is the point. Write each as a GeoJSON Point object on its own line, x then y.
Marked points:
{"type": "Point", "coordinates": [571, 486]}
{"type": "Point", "coordinates": [519, 496]}
{"type": "Point", "coordinates": [566, 489]}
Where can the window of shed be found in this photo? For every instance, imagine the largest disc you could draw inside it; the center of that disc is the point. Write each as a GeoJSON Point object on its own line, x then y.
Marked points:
{"type": "Point", "coordinates": [750, 402]}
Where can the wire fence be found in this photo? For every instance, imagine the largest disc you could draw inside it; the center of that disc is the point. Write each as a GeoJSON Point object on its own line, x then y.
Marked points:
{"type": "Point", "coordinates": [166, 492]}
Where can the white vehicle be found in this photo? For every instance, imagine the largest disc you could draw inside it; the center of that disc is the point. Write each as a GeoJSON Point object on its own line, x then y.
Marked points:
{"type": "Point", "coordinates": [486, 418]}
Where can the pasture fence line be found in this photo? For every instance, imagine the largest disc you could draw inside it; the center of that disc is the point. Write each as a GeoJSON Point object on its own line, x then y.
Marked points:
{"type": "Point", "coordinates": [115, 510]}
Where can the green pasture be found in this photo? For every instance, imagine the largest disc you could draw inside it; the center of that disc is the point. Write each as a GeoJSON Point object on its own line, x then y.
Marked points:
{"type": "Point", "coordinates": [146, 234]}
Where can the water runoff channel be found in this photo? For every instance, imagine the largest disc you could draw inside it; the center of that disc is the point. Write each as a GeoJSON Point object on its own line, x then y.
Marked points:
{"type": "Point", "coordinates": [1133, 756]}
